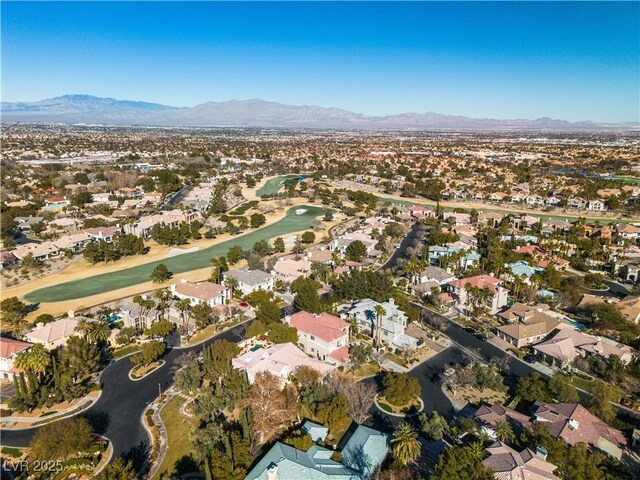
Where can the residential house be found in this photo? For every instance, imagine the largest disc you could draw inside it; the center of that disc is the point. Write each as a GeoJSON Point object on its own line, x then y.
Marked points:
{"type": "Point", "coordinates": [433, 274]}
{"type": "Point", "coordinates": [392, 327]}
{"type": "Point", "coordinates": [322, 335]}
{"type": "Point", "coordinates": [526, 325]}
{"type": "Point", "coordinates": [40, 251]}
{"type": "Point", "coordinates": [456, 218]}
{"type": "Point", "coordinates": [340, 244]}
{"type": "Point", "coordinates": [628, 231]}
{"type": "Point", "coordinates": [596, 205]}
{"type": "Point", "coordinates": [576, 202]}
{"type": "Point", "coordinates": [574, 424]}
{"type": "Point", "coordinates": [289, 269]}
{"type": "Point", "coordinates": [419, 211]}
{"type": "Point", "coordinates": [55, 203]}
{"type": "Point", "coordinates": [9, 348]}
{"type": "Point", "coordinates": [492, 219]}
{"type": "Point", "coordinates": [103, 233]}
{"type": "Point", "coordinates": [488, 415]}
{"type": "Point", "coordinates": [630, 308]}
{"type": "Point", "coordinates": [248, 281]}
{"type": "Point", "coordinates": [363, 453]}
{"type": "Point", "coordinates": [497, 298]}
{"type": "Point", "coordinates": [630, 270]}
{"type": "Point", "coordinates": [521, 269]}
{"type": "Point", "coordinates": [509, 464]}
{"type": "Point", "coordinates": [567, 344]}
{"type": "Point", "coordinates": [280, 360]}
{"type": "Point", "coordinates": [208, 293]}
{"type": "Point", "coordinates": [55, 334]}
{"type": "Point", "coordinates": [74, 243]}
{"type": "Point", "coordinates": [25, 223]}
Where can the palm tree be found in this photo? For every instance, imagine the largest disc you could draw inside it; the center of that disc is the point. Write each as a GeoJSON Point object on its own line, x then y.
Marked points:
{"type": "Point", "coordinates": [477, 450]}
{"type": "Point", "coordinates": [184, 306]}
{"type": "Point", "coordinates": [503, 431]}
{"type": "Point", "coordinates": [380, 313]}
{"type": "Point", "coordinates": [83, 327]}
{"type": "Point", "coordinates": [320, 271]}
{"type": "Point", "coordinates": [99, 332]}
{"type": "Point", "coordinates": [405, 443]}
{"type": "Point", "coordinates": [36, 359]}
{"type": "Point", "coordinates": [231, 283]}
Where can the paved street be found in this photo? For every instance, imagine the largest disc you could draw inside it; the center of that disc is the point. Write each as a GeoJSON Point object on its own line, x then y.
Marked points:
{"type": "Point", "coordinates": [117, 414]}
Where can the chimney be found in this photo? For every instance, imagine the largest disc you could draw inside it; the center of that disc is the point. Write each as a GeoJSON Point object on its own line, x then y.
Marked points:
{"type": "Point", "coordinates": [287, 319]}
{"type": "Point", "coordinates": [71, 313]}
{"type": "Point", "coordinates": [541, 452]}
{"type": "Point", "coordinates": [183, 280]}
{"type": "Point", "coordinates": [574, 424]}
{"type": "Point", "coordinates": [272, 472]}
{"type": "Point", "coordinates": [392, 301]}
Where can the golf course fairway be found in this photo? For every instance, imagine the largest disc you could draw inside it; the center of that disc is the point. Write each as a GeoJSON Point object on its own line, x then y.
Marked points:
{"type": "Point", "coordinates": [107, 282]}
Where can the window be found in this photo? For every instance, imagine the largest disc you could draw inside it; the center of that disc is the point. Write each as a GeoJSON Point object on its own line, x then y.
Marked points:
{"type": "Point", "coordinates": [312, 337]}
{"type": "Point", "coordinates": [313, 349]}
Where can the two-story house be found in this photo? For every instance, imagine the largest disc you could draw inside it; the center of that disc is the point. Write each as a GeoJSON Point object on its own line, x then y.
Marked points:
{"type": "Point", "coordinates": [248, 281]}
{"type": "Point", "coordinates": [322, 335]}
{"type": "Point", "coordinates": [9, 348]}
{"type": "Point", "coordinates": [390, 330]}
{"type": "Point", "coordinates": [469, 292]}
{"type": "Point", "coordinates": [209, 293]}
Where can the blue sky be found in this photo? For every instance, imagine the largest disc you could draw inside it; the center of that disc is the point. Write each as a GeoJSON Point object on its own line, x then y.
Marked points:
{"type": "Point", "coordinates": [575, 61]}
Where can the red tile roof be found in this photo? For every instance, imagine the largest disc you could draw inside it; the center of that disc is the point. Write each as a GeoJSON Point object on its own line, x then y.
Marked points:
{"type": "Point", "coordinates": [341, 354]}
{"type": "Point", "coordinates": [9, 347]}
{"type": "Point", "coordinates": [324, 326]}
{"type": "Point", "coordinates": [479, 281]}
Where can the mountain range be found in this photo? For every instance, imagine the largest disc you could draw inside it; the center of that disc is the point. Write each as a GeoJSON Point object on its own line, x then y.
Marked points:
{"type": "Point", "coordinates": [260, 113]}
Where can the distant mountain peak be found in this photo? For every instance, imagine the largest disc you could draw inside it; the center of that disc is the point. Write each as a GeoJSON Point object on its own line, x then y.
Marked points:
{"type": "Point", "coordinates": [255, 112]}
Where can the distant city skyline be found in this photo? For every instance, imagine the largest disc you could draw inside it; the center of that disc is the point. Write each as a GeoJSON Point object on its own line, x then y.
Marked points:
{"type": "Point", "coordinates": [573, 61]}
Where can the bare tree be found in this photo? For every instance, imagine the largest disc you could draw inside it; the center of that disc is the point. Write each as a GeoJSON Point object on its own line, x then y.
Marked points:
{"type": "Point", "coordinates": [273, 409]}
{"type": "Point", "coordinates": [186, 358]}
{"type": "Point", "coordinates": [360, 395]}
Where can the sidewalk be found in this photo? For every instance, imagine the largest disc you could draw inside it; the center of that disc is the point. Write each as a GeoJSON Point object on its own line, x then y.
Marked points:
{"type": "Point", "coordinates": [17, 422]}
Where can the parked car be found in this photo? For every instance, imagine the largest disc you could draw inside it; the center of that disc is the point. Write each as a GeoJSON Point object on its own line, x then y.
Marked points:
{"type": "Point", "coordinates": [532, 358]}
{"type": "Point", "coordinates": [481, 336]}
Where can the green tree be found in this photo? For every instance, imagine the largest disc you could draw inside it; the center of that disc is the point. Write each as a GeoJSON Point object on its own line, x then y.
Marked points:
{"type": "Point", "coordinates": [160, 274]}
{"type": "Point", "coordinates": [161, 328]}
{"type": "Point", "coordinates": [308, 237]}
{"type": "Point", "coordinates": [118, 470]}
{"type": "Point", "coordinates": [12, 313]}
{"type": "Point", "coordinates": [257, 219]}
{"type": "Point", "coordinates": [188, 378]}
{"type": "Point", "coordinates": [503, 431]}
{"type": "Point", "coordinates": [433, 425]}
{"type": "Point", "coordinates": [457, 463]}
{"type": "Point", "coordinates": [60, 440]}
{"type": "Point", "coordinates": [307, 299]}
{"type": "Point", "coordinates": [99, 332]}
{"type": "Point", "coordinates": [603, 394]}
{"type": "Point", "coordinates": [404, 443]}
{"type": "Point", "coordinates": [268, 313]}
{"type": "Point", "coordinates": [235, 254]}
{"type": "Point", "coordinates": [355, 251]}
{"type": "Point", "coordinates": [44, 318]}
{"type": "Point", "coordinates": [532, 388]}
{"type": "Point", "coordinates": [202, 314]}
{"type": "Point", "coordinates": [561, 390]}
{"type": "Point", "coordinates": [79, 358]}
{"type": "Point", "coordinates": [281, 333]}
{"type": "Point", "coordinates": [278, 245]}
{"type": "Point", "coordinates": [255, 329]}
{"type": "Point", "coordinates": [400, 388]}
{"type": "Point", "coordinates": [36, 359]}
{"type": "Point", "coordinates": [80, 199]}
{"type": "Point", "coordinates": [149, 353]}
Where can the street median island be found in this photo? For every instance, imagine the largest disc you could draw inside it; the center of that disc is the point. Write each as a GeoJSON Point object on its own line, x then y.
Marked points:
{"type": "Point", "coordinates": [185, 262]}
{"type": "Point", "coordinates": [140, 371]}
{"type": "Point", "coordinates": [412, 408]}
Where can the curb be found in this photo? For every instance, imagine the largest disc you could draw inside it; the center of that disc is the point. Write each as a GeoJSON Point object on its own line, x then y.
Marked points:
{"type": "Point", "coordinates": [399, 415]}
{"type": "Point", "coordinates": [162, 364]}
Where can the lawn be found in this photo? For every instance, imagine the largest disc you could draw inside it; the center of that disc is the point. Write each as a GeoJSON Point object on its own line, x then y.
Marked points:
{"type": "Point", "coordinates": [124, 351]}
{"type": "Point", "coordinates": [177, 457]}
{"type": "Point", "coordinates": [242, 209]}
{"type": "Point", "coordinates": [366, 370]}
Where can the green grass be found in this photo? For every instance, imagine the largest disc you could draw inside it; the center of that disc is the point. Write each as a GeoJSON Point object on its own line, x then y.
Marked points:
{"type": "Point", "coordinates": [125, 351]}
{"type": "Point", "coordinates": [67, 415]}
{"type": "Point", "coordinates": [107, 282]}
{"type": "Point", "coordinates": [273, 186]}
{"type": "Point", "coordinates": [385, 407]}
{"type": "Point", "coordinates": [12, 452]}
{"type": "Point", "coordinates": [582, 383]}
{"type": "Point", "coordinates": [178, 431]}
{"type": "Point", "coordinates": [242, 209]}
{"type": "Point", "coordinates": [367, 370]}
